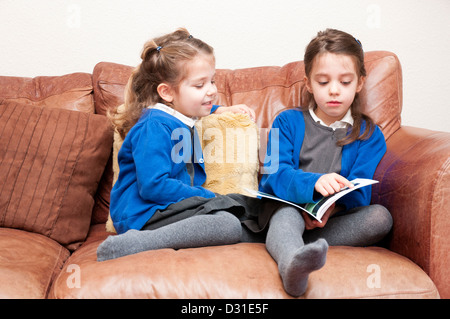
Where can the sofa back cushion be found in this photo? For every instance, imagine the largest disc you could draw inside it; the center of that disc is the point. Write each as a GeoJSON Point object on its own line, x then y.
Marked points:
{"type": "Point", "coordinates": [70, 91]}
{"type": "Point", "coordinates": [51, 161]}
{"type": "Point", "coordinates": [109, 81]}
{"type": "Point", "coordinates": [270, 89]}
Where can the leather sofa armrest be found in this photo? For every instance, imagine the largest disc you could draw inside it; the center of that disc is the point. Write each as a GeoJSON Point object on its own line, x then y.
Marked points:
{"type": "Point", "coordinates": [414, 185]}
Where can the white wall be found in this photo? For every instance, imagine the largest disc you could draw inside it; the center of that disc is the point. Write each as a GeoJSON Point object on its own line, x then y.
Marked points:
{"type": "Point", "coordinates": [55, 37]}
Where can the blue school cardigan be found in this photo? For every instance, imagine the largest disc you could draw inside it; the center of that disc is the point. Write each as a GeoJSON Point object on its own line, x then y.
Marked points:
{"type": "Point", "coordinates": [153, 171]}
{"type": "Point", "coordinates": [283, 178]}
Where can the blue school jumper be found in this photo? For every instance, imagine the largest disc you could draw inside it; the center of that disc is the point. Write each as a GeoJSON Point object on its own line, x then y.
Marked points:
{"type": "Point", "coordinates": [283, 178]}
{"type": "Point", "coordinates": [153, 172]}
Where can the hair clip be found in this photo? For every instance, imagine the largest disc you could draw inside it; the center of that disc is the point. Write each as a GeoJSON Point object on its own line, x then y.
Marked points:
{"type": "Point", "coordinates": [158, 48]}
{"type": "Point", "coordinates": [359, 42]}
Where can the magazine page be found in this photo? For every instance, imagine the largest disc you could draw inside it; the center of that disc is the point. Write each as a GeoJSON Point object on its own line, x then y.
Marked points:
{"type": "Point", "coordinates": [317, 210]}
{"type": "Point", "coordinates": [262, 194]}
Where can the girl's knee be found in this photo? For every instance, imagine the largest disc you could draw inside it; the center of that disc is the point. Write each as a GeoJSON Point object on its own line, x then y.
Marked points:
{"type": "Point", "coordinates": [383, 215]}
{"type": "Point", "coordinates": [287, 213]}
{"type": "Point", "coordinates": [380, 220]}
{"type": "Point", "coordinates": [231, 224]}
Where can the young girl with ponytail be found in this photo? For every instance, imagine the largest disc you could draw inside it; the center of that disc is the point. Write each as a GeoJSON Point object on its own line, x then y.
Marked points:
{"type": "Point", "coordinates": [158, 200]}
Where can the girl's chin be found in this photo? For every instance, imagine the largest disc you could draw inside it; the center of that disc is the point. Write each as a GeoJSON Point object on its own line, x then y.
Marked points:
{"type": "Point", "coordinates": [335, 112]}
{"type": "Point", "coordinates": [206, 109]}
{"type": "Point", "coordinates": [201, 114]}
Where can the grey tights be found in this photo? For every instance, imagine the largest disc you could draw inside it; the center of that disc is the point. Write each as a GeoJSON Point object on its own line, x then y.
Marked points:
{"type": "Point", "coordinates": [360, 226]}
{"type": "Point", "coordinates": [295, 260]}
{"type": "Point", "coordinates": [219, 228]}
{"type": "Point", "coordinates": [286, 238]}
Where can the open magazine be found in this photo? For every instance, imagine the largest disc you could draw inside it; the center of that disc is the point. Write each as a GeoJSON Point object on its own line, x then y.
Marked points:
{"type": "Point", "coordinates": [317, 210]}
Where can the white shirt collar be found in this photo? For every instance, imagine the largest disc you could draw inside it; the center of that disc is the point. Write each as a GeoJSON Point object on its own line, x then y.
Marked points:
{"type": "Point", "coordinates": [347, 119]}
{"type": "Point", "coordinates": [183, 118]}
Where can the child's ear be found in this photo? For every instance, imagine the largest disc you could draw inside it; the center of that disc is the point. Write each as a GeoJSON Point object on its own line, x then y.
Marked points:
{"type": "Point", "coordinates": [361, 82]}
{"type": "Point", "coordinates": [307, 84]}
{"type": "Point", "coordinates": [165, 92]}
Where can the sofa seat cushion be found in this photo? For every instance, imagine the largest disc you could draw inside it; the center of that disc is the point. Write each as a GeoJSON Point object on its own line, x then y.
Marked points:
{"type": "Point", "coordinates": [243, 270]}
{"type": "Point", "coordinates": [28, 264]}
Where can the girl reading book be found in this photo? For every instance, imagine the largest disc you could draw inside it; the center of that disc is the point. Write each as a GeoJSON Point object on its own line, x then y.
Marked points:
{"type": "Point", "coordinates": [322, 146]}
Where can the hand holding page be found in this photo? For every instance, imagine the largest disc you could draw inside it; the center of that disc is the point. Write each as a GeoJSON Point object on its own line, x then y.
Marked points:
{"type": "Point", "coordinates": [317, 210]}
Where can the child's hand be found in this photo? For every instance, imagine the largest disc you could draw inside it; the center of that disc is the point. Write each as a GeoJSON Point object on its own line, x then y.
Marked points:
{"type": "Point", "coordinates": [329, 184]}
{"type": "Point", "coordinates": [311, 223]}
{"type": "Point", "coordinates": [238, 108]}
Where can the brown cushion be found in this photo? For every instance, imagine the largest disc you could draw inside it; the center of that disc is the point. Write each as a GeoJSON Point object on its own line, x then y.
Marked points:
{"type": "Point", "coordinates": [69, 91]}
{"type": "Point", "coordinates": [109, 81]}
{"type": "Point", "coordinates": [51, 161]}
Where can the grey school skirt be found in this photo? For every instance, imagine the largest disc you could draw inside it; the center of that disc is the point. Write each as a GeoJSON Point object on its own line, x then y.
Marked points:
{"type": "Point", "coordinates": [254, 213]}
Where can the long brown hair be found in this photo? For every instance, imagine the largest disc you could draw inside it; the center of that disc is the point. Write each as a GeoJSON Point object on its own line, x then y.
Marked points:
{"type": "Point", "coordinates": [339, 42]}
{"type": "Point", "coordinates": [163, 61]}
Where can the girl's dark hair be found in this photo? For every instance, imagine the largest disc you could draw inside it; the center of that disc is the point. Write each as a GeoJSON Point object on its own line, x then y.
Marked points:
{"type": "Point", "coordinates": [163, 61]}
{"type": "Point", "coordinates": [339, 42]}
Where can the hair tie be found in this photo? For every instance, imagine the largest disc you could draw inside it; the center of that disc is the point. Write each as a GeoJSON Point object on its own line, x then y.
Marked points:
{"type": "Point", "coordinates": [158, 48]}
{"type": "Point", "coordinates": [359, 42]}
{"type": "Point", "coordinates": [190, 36]}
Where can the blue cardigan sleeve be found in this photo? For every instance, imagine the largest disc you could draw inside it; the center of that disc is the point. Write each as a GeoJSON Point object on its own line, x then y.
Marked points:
{"type": "Point", "coordinates": [214, 108]}
{"type": "Point", "coordinates": [360, 160]}
{"type": "Point", "coordinates": [281, 176]}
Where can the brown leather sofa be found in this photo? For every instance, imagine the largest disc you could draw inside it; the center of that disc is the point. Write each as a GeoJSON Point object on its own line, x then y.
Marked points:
{"type": "Point", "coordinates": [56, 175]}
